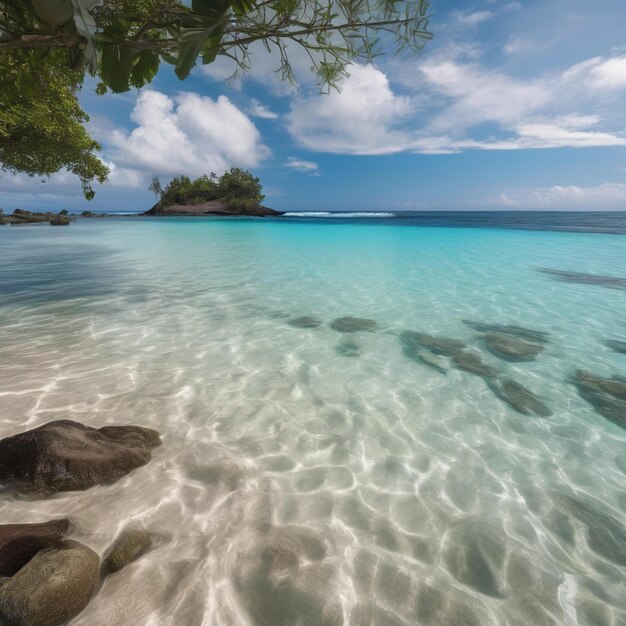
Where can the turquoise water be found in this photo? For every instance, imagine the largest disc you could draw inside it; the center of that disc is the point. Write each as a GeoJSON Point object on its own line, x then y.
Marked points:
{"type": "Point", "coordinates": [298, 484]}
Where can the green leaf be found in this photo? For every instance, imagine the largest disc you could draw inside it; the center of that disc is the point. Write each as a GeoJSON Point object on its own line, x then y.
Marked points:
{"type": "Point", "coordinates": [145, 68]}
{"type": "Point", "coordinates": [242, 6]}
{"type": "Point", "coordinates": [116, 67]}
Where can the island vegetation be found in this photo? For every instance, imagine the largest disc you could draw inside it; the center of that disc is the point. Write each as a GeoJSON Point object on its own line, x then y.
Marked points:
{"type": "Point", "coordinates": [236, 192]}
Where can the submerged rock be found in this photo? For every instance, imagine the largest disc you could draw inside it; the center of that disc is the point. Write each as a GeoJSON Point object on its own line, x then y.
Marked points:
{"type": "Point", "coordinates": [65, 455]}
{"type": "Point", "coordinates": [616, 346]}
{"type": "Point", "coordinates": [606, 536]}
{"type": "Point", "coordinates": [606, 395]}
{"type": "Point", "coordinates": [307, 321]}
{"type": "Point", "coordinates": [437, 345]}
{"type": "Point", "coordinates": [510, 348]}
{"type": "Point", "coordinates": [519, 398]}
{"type": "Point", "coordinates": [517, 331]}
{"type": "Point", "coordinates": [129, 547]}
{"type": "Point", "coordinates": [52, 588]}
{"type": "Point", "coordinates": [415, 352]}
{"type": "Point", "coordinates": [612, 282]}
{"type": "Point", "coordinates": [353, 324]}
{"type": "Point", "coordinates": [348, 348]}
{"type": "Point", "coordinates": [472, 363]}
{"type": "Point", "coordinates": [20, 542]}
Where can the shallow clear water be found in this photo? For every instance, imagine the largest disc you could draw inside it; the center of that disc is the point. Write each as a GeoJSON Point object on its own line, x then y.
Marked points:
{"type": "Point", "coordinates": [297, 484]}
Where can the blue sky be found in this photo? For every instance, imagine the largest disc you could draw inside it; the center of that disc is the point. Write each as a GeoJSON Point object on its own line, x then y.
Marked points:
{"type": "Point", "coordinates": [513, 105]}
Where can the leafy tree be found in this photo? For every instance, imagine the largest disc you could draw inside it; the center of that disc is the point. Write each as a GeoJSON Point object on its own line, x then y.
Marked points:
{"type": "Point", "coordinates": [155, 187]}
{"type": "Point", "coordinates": [123, 43]}
{"type": "Point", "coordinates": [41, 121]}
{"type": "Point", "coordinates": [238, 188]}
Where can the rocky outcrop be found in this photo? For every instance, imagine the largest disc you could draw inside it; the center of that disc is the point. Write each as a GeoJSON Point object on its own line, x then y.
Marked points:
{"type": "Point", "coordinates": [65, 455]}
{"type": "Point", "coordinates": [19, 216]}
{"type": "Point", "coordinates": [511, 348]}
{"type": "Point", "coordinates": [353, 324]}
{"type": "Point", "coordinates": [59, 220]}
{"type": "Point", "coordinates": [19, 543]}
{"type": "Point", "coordinates": [52, 588]}
{"type": "Point", "coordinates": [606, 395]}
{"type": "Point", "coordinates": [212, 207]}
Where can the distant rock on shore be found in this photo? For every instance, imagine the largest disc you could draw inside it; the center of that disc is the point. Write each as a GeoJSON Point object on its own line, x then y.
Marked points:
{"type": "Point", "coordinates": [212, 207]}
{"type": "Point", "coordinates": [19, 216]}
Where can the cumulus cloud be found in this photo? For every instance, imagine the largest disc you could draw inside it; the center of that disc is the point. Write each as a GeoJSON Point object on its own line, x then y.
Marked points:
{"type": "Point", "coordinates": [453, 106]}
{"type": "Point", "coordinates": [299, 165]}
{"type": "Point", "coordinates": [360, 119]}
{"type": "Point", "coordinates": [187, 133]}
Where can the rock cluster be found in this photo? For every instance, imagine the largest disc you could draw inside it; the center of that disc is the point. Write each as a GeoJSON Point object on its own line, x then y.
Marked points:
{"type": "Point", "coordinates": [19, 216]}
{"type": "Point", "coordinates": [45, 578]}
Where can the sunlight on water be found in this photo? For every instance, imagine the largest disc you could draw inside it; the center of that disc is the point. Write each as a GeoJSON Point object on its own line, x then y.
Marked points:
{"type": "Point", "coordinates": [316, 477]}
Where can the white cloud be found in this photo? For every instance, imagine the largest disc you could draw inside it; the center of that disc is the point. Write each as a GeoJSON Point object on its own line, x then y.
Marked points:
{"type": "Point", "coordinates": [472, 18]}
{"type": "Point", "coordinates": [608, 196]}
{"type": "Point", "coordinates": [187, 133]}
{"type": "Point", "coordinates": [260, 110]}
{"type": "Point", "coordinates": [299, 165]}
{"type": "Point", "coordinates": [600, 73]}
{"type": "Point", "coordinates": [360, 119]}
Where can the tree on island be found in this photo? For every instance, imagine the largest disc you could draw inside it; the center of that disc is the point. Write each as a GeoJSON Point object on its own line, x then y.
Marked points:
{"type": "Point", "coordinates": [236, 189]}
{"type": "Point", "coordinates": [48, 46]}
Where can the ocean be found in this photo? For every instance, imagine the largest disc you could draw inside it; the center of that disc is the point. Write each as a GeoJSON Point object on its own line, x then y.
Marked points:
{"type": "Point", "coordinates": [313, 476]}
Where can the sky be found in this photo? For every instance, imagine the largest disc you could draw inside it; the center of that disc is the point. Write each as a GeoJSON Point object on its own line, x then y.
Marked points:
{"type": "Point", "coordinates": [511, 106]}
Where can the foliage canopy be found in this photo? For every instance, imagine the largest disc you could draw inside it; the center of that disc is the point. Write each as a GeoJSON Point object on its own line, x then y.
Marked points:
{"type": "Point", "coordinates": [237, 189]}
{"type": "Point", "coordinates": [124, 42]}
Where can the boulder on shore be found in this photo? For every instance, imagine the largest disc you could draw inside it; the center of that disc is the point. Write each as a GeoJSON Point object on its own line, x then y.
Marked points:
{"type": "Point", "coordinates": [20, 542]}
{"type": "Point", "coordinates": [65, 455]}
{"type": "Point", "coordinates": [52, 588]}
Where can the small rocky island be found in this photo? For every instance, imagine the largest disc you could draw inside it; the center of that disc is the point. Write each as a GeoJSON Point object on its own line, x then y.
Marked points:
{"type": "Point", "coordinates": [236, 192]}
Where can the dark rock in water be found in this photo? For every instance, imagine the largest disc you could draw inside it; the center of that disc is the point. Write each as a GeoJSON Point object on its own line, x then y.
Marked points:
{"type": "Point", "coordinates": [616, 346]}
{"type": "Point", "coordinates": [64, 212]}
{"type": "Point", "coordinates": [606, 395]}
{"type": "Point", "coordinates": [59, 220]}
{"type": "Point", "coordinates": [520, 398]}
{"type": "Point", "coordinates": [86, 214]}
{"type": "Point", "coordinates": [52, 588]}
{"type": "Point", "coordinates": [353, 324]}
{"type": "Point", "coordinates": [606, 536]}
{"type": "Point", "coordinates": [128, 548]}
{"type": "Point", "coordinates": [20, 542]}
{"type": "Point", "coordinates": [438, 345]}
{"type": "Point", "coordinates": [65, 455]}
{"type": "Point", "coordinates": [518, 331]}
{"type": "Point", "coordinates": [415, 352]}
{"type": "Point", "coordinates": [510, 348]}
{"type": "Point", "coordinates": [307, 321]}
{"type": "Point", "coordinates": [211, 207]}
{"type": "Point", "coordinates": [472, 363]}
{"type": "Point", "coordinates": [612, 282]}
{"type": "Point", "coordinates": [348, 348]}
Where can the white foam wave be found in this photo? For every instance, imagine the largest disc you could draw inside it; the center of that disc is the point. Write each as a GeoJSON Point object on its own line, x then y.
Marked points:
{"type": "Point", "coordinates": [342, 214]}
